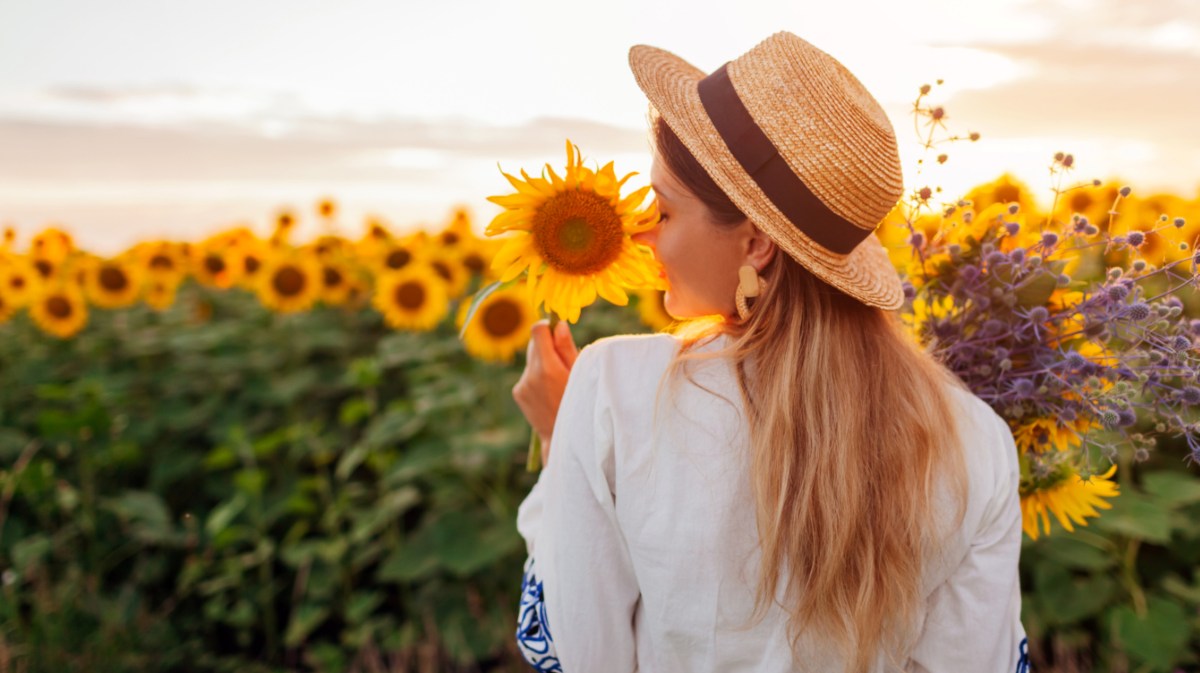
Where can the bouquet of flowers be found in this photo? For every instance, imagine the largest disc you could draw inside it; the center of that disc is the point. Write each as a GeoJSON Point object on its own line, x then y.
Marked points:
{"type": "Point", "coordinates": [1072, 354]}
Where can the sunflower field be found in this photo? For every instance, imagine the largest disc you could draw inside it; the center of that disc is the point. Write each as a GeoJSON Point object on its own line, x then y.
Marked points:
{"type": "Point", "coordinates": [253, 453]}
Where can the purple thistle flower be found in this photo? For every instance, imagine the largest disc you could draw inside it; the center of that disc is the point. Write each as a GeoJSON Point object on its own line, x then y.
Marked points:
{"type": "Point", "coordinates": [1135, 238]}
{"type": "Point", "coordinates": [917, 240]}
{"type": "Point", "coordinates": [1049, 239]}
{"type": "Point", "coordinates": [1039, 314]}
{"type": "Point", "coordinates": [1118, 292]}
{"type": "Point", "coordinates": [1075, 360]}
{"type": "Point", "coordinates": [1017, 255]}
{"type": "Point", "coordinates": [1012, 228]}
{"type": "Point", "coordinates": [1190, 395]}
{"type": "Point", "coordinates": [1182, 343]}
{"type": "Point", "coordinates": [1110, 419]}
{"type": "Point", "coordinates": [1023, 387]}
{"type": "Point", "coordinates": [1139, 311]}
{"type": "Point", "coordinates": [1126, 418]}
{"type": "Point", "coordinates": [1195, 325]}
{"type": "Point", "coordinates": [996, 258]}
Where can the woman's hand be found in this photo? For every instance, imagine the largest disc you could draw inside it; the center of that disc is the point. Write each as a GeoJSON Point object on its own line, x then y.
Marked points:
{"type": "Point", "coordinates": [540, 389]}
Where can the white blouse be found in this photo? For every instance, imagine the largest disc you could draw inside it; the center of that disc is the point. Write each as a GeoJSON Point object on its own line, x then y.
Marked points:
{"type": "Point", "coordinates": [642, 545]}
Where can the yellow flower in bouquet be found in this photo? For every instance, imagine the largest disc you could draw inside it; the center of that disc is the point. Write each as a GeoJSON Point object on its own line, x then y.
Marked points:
{"type": "Point", "coordinates": [574, 237]}
{"type": "Point", "coordinates": [1071, 499]}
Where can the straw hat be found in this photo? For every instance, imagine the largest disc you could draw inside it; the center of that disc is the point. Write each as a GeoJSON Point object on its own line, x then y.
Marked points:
{"type": "Point", "coordinates": [799, 145]}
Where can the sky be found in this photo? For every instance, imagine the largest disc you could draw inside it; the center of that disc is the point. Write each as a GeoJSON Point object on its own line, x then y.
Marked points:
{"type": "Point", "coordinates": [125, 120]}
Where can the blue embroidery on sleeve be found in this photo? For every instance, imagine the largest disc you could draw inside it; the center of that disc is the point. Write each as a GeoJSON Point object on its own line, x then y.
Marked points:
{"type": "Point", "coordinates": [1023, 662]}
{"type": "Point", "coordinates": [533, 631]}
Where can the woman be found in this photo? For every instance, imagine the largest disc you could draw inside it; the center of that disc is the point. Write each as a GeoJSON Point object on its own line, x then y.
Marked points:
{"type": "Point", "coordinates": [795, 484]}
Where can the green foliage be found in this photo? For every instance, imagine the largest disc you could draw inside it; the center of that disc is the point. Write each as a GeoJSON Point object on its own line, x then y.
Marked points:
{"type": "Point", "coordinates": [1123, 593]}
{"type": "Point", "coordinates": [259, 492]}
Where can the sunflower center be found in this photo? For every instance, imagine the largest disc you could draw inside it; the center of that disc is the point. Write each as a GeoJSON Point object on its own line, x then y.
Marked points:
{"type": "Point", "coordinates": [113, 279]}
{"type": "Point", "coordinates": [251, 264]}
{"type": "Point", "coordinates": [577, 232]}
{"type": "Point", "coordinates": [44, 267]}
{"type": "Point", "coordinates": [333, 277]}
{"type": "Point", "coordinates": [288, 281]}
{"type": "Point", "coordinates": [214, 264]}
{"type": "Point", "coordinates": [443, 270]}
{"type": "Point", "coordinates": [501, 318]}
{"type": "Point", "coordinates": [410, 295]}
{"type": "Point", "coordinates": [449, 238]}
{"type": "Point", "coordinates": [474, 263]}
{"type": "Point", "coordinates": [162, 262]}
{"type": "Point", "coordinates": [58, 307]}
{"type": "Point", "coordinates": [17, 282]}
{"type": "Point", "coordinates": [398, 259]}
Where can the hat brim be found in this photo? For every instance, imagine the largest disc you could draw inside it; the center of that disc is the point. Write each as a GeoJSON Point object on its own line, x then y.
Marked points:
{"type": "Point", "coordinates": [670, 84]}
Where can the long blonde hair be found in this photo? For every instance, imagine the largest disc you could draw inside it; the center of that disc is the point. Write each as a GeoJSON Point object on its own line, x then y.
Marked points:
{"type": "Point", "coordinates": [852, 427]}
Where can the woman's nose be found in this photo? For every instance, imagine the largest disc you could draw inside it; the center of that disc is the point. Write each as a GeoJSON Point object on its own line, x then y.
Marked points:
{"type": "Point", "coordinates": [648, 237]}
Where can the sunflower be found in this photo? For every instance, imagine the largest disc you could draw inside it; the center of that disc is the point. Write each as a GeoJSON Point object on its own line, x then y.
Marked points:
{"type": "Point", "coordinates": [112, 283]}
{"type": "Point", "coordinates": [160, 293]}
{"type": "Point", "coordinates": [1041, 434]}
{"type": "Point", "coordinates": [395, 254]}
{"type": "Point", "coordinates": [214, 266]}
{"type": "Point", "coordinates": [327, 208]}
{"type": "Point", "coordinates": [7, 307]}
{"type": "Point", "coordinates": [336, 282]}
{"type": "Point", "coordinates": [285, 222]}
{"type": "Point", "coordinates": [573, 238]}
{"type": "Point", "coordinates": [411, 298]}
{"type": "Point", "coordinates": [1069, 498]}
{"type": "Point", "coordinates": [60, 310]}
{"type": "Point", "coordinates": [475, 254]}
{"type": "Point", "coordinates": [162, 260]}
{"type": "Point", "coordinates": [248, 256]}
{"type": "Point", "coordinates": [458, 232]}
{"type": "Point", "coordinates": [500, 327]}
{"type": "Point", "coordinates": [289, 282]}
{"type": "Point", "coordinates": [19, 281]}
{"type": "Point", "coordinates": [652, 311]}
{"type": "Point", "coordinates": [329, 245]}
{"type": "Point", "coordinates": [52, 244]}
{"type": "Point", "coordinates": [451, 270]}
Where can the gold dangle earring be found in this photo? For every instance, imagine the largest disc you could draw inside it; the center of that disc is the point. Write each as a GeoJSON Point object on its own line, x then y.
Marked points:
{"type": "Point", "coordinates": [750, 285]}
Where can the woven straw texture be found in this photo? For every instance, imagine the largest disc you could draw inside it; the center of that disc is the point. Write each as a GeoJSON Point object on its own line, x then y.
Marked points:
{"type": "Point", "coordinates": [828, 128]}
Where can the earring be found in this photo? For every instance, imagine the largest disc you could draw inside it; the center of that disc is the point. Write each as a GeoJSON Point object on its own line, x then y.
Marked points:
{"type": "Point", "coordinates": [750, 285]}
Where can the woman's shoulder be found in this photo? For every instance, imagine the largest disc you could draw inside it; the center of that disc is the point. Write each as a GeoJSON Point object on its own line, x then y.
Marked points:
{"type": "Point", "coordinates": [628, 346]}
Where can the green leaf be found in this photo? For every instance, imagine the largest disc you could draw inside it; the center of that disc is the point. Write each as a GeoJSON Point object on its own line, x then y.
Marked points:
{"type": "Point", "coordinates": [1173, 488]}
{"type": "Point", "coordinates": [1159, 639]}
{"type": "Point", "coordinates": [1036, 289]}
{"type": "Point", "coordinates": [362, 604]}
{"type": "Point", "coordinates": [1137, 516]}
{"type": "Point", "coordinates": [1071, 552]}
{"type": "Point", "coordinates": [415, 558]}
{"type": "Point", "coordinates": [223, 514]}
{"type": "Point", "coordinates": [148, 516]}
{"type": "Point", "coordinates": [250, 481]}
{"type": "Point", "coordinates": [29, 552]}
{"type": "Point", "coordinates": [307, 617]}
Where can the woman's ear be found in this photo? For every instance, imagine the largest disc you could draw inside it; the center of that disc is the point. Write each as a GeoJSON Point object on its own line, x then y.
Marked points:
{"type": "Point", "coordinates": [760, 249]}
